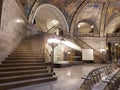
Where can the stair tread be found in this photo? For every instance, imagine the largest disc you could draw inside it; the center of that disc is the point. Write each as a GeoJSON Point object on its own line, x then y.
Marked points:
{"type": "Point", "coordinates": [24, 76]}
{"type": "Point", "coordinates": [32, 55]}
{"type": "Point", "coordinates": [23, 60]}
{"type": "Point", "coordinates": [25, 81]}
{"type": "Point", "coordinates": [20, 67]}
{"type": "Point", "coordinates": [24, 57]}
{"type": "Point", "coordinates": [21, 63]}
{"type": "Point", "coordinates": [7, 72]}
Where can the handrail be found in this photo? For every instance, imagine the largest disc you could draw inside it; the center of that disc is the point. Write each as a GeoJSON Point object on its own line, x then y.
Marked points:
{"type": "Point", "coordinates": [113, 35]}
{"type": "Point", "coordinates": [52, 28]}
{"type": "Point", "coordinates": [101, 56]}
{"type": "Point", "coordinates": [91, 48]}
{"type": "Point", "coordinates": [55, 27]}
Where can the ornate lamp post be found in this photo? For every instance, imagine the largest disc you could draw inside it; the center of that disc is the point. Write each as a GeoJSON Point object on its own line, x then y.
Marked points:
{"type": "Point", "coordinates": [53, 42]}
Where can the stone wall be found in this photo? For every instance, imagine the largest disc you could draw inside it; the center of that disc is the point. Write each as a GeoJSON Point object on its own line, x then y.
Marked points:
{"type": "Point", "coordinates": [1, 1]}
{"type": "Point", "coordinates": [96, 43]}
{"type": "Point", "coordinates": [12, 28]}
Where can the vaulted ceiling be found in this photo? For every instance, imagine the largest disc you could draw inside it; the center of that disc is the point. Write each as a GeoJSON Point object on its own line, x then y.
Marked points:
{"type": "Point", "coordinates": [105, 14]}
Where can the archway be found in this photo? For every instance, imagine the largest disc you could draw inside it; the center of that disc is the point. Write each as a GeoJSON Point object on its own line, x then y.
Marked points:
{"type": "Point", "coordinates": [86, 27]}
{"type": "Point", "coordinates": [88, 12]}
{"type": "Point", "coordinates": [47, 17]}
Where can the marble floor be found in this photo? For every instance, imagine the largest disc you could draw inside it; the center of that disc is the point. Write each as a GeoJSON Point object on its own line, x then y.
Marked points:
{"type": "Point", "coordinates": [69, 78]}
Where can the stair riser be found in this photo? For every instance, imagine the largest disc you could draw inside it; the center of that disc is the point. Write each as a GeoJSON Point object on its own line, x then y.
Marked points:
{"type": "Point", "coordinates": [1, 66]}
{"type": "Point", "coordinates": [24, 58]}
{"type": "Point", "coordinates": [22, 53]}
{"type": "Point", "coordinates": [23, 78]}
{"type": "Point", "coordinates": [40, 56]}
{"type": "Point", "coordinates": [18, 61]}
{"type": "Point", "coordinates": [26, 52]}
{"type": "Point", "coordinates": [25, 84]}
{"type": "Point", "coordinates": [22, 73]}
{"type": "Point", "coordinates": [20, 69]}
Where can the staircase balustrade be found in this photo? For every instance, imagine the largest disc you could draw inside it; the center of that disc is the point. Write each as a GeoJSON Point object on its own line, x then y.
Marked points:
{"type": "Point", "coordinates": [83, 44]}
{"type": "Point", "coordinates": [100, 56]}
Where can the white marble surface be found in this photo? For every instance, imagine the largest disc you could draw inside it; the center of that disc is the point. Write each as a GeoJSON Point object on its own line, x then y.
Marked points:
{"type": "Point", "coordinates": [69, 78]}
{"type": "Point", "coordinates": [12, 28]}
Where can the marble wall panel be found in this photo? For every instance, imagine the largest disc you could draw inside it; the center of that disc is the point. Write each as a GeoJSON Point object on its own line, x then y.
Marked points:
{"type": "Point", "coordinates": [12, 29]}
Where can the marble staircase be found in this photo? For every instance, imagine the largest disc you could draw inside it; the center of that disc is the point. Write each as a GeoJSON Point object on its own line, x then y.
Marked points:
{"type": "Point", "coordinates": [25, 66]}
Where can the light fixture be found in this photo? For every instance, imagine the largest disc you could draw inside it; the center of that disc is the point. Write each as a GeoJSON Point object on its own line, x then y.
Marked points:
{"type": "Point", "coordinates": [55, 22]}
{"type": "Point", "coordinates": [92, 26]}
{"type": "Point", "coordinates": [79, 25]}
{"type": "Point", "coordinates": [53, 42]}
{"type": "Point", "coordinates": [19, 21]}
{"type": "Point", "coordinates": [116, 44]}
{"type": "Point", "coordinates": [68, 52]}
{"type": "Point", "coordinates": [102, 50]}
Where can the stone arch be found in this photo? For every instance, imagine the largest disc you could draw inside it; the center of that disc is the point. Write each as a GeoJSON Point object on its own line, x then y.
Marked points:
{"type": "Point", "coordinates": [51, 12]}
{"type": "Point", "coordinates": [78, 11]}
{"type": "Point", "coordinates": [112, 26]}
{"type": "Point", "coordinates": [95, 29]}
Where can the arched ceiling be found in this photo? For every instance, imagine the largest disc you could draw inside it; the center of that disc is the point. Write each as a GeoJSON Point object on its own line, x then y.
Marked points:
{"type": "Point", "coordinates": [50, 16]}
{"type": "Point", "coordinates": [101, 12]}
{"type": "Point", "coordinates": [113, 26]}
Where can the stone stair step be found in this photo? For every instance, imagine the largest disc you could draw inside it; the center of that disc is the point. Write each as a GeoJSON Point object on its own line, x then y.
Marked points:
{"type": "Point", "coordinates": [22, 55]}
{"type": "Point", "coordinates": [22, 64]}
{"type": "Point", "coordinates": [27, 54]}
{"type": "Point", "coordinates": [23, 61]}
{"type": "Point", "coordinates": [26, 82]}
{"type": "Point", "coordinates": [24, 77]}
{"type": "Point", "coordinates": [4, 69]}
{"type": "Point", "coordinates": [23, 72]}
{"type": "Point", "coordinates": [13, 58]}
{"type": "Point", "coordinates": [24, 52]}
{"type": "Point", "coordinates": [38, 53]}
{"type": "Point", "coordinates": [23, 49]}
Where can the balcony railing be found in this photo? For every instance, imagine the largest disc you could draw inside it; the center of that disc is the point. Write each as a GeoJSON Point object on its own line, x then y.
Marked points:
{"type": "Point", "coordinates": [113, 35]}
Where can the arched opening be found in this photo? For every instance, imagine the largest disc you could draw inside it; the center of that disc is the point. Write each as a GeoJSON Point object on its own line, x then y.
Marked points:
{"type": "Point", "coordinates": [112, 31]}
{"type": "Point", "coordinates": [49, 18]}
{"type": "Point", "coordinates": [85, 27]}
{"type": "Point", "coordinates": [90, 12]}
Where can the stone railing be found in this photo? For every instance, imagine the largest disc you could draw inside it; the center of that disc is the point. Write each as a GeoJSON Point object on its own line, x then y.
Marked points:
{"type": "Point", "coordinates": [113, 35]}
